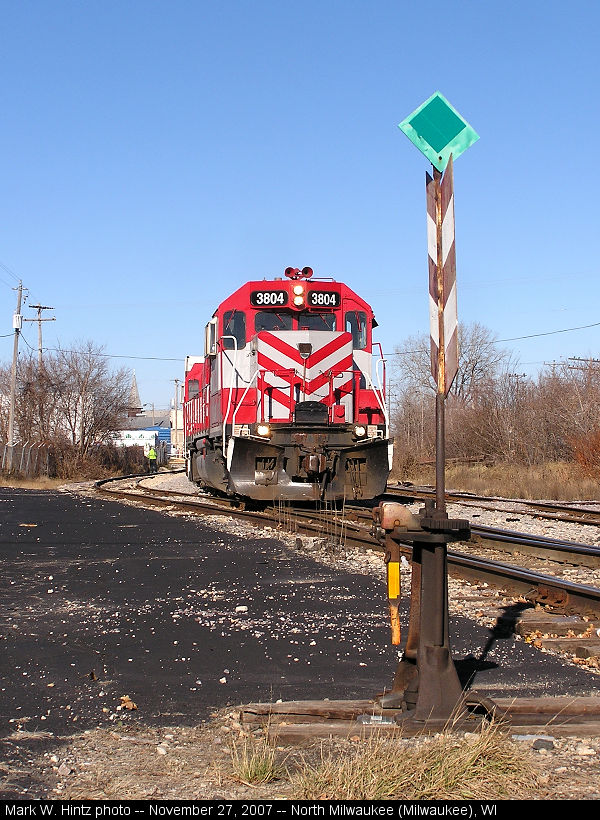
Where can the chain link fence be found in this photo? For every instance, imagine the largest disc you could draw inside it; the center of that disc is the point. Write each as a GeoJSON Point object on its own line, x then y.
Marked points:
{"type": "Point", "coordinates": [28, 460]}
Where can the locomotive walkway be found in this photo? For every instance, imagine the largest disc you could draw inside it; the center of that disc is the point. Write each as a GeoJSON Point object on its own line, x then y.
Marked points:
{"type": "Point", "coordinates": [103, 601]}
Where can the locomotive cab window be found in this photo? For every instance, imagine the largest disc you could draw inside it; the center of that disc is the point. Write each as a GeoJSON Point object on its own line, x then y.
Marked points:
{"type": "Point", "coordinates": [193, 388]}
{"type": "Point", "coordinates": [272, 320]}
{"type": "Point", "coordinates": [356, 324]}
{"type": "Point", "coordinates": [234, 324]}
{"type": "Point", "coordinates": [316, 321]}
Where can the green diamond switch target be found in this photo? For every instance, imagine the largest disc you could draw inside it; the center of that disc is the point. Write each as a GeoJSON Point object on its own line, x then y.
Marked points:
{"type": "Point", "coordinates": [438, 130]}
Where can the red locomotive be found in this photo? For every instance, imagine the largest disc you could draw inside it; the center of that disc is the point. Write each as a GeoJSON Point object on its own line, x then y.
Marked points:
{"type": "Point", "coordinates": [284, 403]}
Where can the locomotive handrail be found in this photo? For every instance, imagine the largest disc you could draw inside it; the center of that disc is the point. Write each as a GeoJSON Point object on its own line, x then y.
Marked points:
{"type": "Point", "coordinates": [378, 397]}
{"type": "Point", "coordinates": [238, 405]}
{"type": "Point", "coordinates": [381, 386]}
{"type": "Point", "coordinates": [235, 351]}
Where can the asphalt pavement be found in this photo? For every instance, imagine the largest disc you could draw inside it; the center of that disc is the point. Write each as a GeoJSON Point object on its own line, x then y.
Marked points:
{"type": "Point", "coordinates": [105, 605]}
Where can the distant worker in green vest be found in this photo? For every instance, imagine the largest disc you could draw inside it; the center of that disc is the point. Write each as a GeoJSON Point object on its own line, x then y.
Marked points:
{"type": "Point", "coordinates": [152, 460]}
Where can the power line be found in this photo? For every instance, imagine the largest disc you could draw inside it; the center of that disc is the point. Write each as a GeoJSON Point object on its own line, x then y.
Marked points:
{"type": "Point", "coordinates": [10, 272]}
{"type": "Point", "coordinates": [97, 353]}
{"type": "Point", "coordinates": [115, 355]}
{"type": "Point", "coordinates": [512, 339]}
{"type": "Point", "coordinates": [396, 353]}
{"type": "Point", "coordinates": [548, 333]}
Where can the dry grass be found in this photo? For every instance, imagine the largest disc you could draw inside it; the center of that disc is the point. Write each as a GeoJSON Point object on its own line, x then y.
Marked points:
{"type": "Point", "coordinates": [557, 481]}
{"type": "Point", "coordinates": [255, 761]}
{"type": "Point", "coordinates": [31, 483]}
{"type": "Point", "coordinates": [485, 766]}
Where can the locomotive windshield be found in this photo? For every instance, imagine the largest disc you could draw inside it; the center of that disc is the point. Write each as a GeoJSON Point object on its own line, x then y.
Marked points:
{"type": "Point", "coordinates": [234, 324]}
{"type": "Point", "coordinates": [278, 320]}
{"type": "Point", "coordinates": [272, 320]}
{"type": "Point", "coordinates": [316, 321]}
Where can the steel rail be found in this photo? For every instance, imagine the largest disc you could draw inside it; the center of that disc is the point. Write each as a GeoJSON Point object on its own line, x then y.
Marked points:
{"type": "Point", "coordinates": [163, 498]}
{"type": "Point", "coordinates": [543, 509]}
{"type": "Point", "coordinates": [540, 546]}
{"type": "Point", "coordinates": [559, 593]}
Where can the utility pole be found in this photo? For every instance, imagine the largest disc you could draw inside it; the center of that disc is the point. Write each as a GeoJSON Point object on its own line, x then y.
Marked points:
{"type": "Point", "coordinates": [588, 365]}
{"type": "Point", "coordinates": [517, 377]}
{"type": "Point", "coordinates": [17, 324]}
{"type": "Point", "coordinates": [39, 320]}
{"type": "Point", "coordinates": [151, 404]}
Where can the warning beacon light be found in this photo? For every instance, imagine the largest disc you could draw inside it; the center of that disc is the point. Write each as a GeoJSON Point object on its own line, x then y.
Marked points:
{"type": "Point", "coordinates": [296, 273]}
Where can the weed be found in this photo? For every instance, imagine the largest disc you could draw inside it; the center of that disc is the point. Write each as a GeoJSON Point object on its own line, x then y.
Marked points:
{"type": "Point", "coordinates": [482, 765]}
{"type": "Point", "coordinates": [255, 762]}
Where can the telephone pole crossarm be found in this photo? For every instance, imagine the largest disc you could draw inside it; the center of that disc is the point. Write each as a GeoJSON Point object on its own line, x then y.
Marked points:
{"type": "Point", "coordinates": [39, 320]}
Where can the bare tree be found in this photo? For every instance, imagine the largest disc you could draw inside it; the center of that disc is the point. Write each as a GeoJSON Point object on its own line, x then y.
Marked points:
{"type": "Point", "coordinates": [73, 395]}
{"type": "Point", "coordinates": [38, 392]}
{"type": "Point", "coordinates": [481, 361]}
{"type": "Point", "coordinates": [93, 400]}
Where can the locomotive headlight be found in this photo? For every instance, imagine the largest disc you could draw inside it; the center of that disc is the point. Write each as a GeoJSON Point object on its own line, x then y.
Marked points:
{"type": "Point", "coordinates": [263, 430]}
{"type": "Point", "coordinates": [298, 295]}
{"type": "Point", "coordinates": [360, 431]}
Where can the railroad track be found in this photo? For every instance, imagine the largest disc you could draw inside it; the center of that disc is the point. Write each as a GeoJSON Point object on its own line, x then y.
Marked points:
{"type": "Point", "coordinates": [519, 543]}
{"type": "Point", "coordinates": [568, 513]}
{"type": "Point", "coordinates": [551, 590]}
{"type": "Point", "coordinates": [540, 546]}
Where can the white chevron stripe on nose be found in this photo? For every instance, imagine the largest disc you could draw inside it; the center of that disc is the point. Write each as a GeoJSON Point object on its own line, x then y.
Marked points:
{"type": "Point", "coordinates": [278, 354]}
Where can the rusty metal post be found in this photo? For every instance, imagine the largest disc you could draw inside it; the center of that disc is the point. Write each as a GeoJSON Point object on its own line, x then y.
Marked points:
{"type": "Point", "coordinates": [426, 685]}
{"type": "Point", "coordinates": [435, 692]}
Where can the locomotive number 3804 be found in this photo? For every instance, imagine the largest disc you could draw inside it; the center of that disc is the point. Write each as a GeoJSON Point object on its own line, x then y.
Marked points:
{"type": "Point", "coordinates": [323, 298]}
{"type": "Point", "coordinates": [268, 298]}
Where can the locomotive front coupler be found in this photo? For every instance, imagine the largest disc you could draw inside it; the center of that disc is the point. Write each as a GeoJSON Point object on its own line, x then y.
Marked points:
{"type": "Point", "coordinates": [426, 687]}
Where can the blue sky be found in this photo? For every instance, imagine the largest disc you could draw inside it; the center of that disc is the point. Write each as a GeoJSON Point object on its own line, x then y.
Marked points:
{"type": "Point", "coordinates": [154, 155]}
